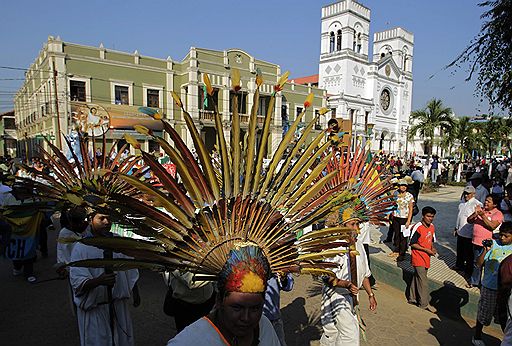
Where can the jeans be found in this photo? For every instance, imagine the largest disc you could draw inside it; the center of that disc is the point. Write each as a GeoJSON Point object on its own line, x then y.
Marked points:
{"type": "Point", "coordinates": [477, 271]}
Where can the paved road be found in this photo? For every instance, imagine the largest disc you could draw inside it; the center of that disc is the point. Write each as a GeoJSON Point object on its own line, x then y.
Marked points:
{"type": "Point", "coordinates": [35, 314]}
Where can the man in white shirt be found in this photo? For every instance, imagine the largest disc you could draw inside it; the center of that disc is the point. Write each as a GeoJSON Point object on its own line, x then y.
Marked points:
{"type": "Point", "coordinates": [477, 181]}
{"type": "Point", "coordinates": [464, 231]}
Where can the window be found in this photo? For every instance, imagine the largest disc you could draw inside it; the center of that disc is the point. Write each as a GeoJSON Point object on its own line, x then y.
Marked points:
{"type": "Point", "coordinates": [318, 125]}
{"type": "Point", "coordinates": [77, 90]}
{"type": "Point", "coordinates": [242, 102]}
{"type": "Point", "coordinates": [153, 98]}
{"type": "Point", "coordinates": [264, 102]}
{"type": "Point", "coordinates": [331, 42]}
{"type": "Point", "coordinates": [121, 95]}
{"type": "Point", "coordinates": [9, 124]}
{"type": "Point", "coordinates": [338, 40]}
{"type": "Point", "coordinates": [297, 112]}
{"type": "Point", "coordinates": [333, 113]}
{"type": "Point", "coordinates": [358, 50]}
{"type": "Point", "coordinates": [206, 103]}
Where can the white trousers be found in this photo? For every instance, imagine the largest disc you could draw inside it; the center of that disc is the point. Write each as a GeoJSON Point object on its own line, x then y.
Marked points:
{"type": "Point", "coordinates": [344, 330]}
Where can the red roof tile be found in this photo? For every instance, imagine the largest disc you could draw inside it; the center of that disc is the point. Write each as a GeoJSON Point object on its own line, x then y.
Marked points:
{"type": "Point", "coordinates": [306, 80]}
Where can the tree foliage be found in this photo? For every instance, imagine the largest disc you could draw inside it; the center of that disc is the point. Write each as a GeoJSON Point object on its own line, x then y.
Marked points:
{"type": "Point", "coordinates": [425, 122]}
{"type": "Point", "coordinates": [489, 55]}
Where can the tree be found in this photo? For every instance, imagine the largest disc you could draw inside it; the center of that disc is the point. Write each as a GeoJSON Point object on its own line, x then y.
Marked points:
{"type": "Point", "coordinates": [425, 121]}
{"type": "Point", "coordinates": [489, 55]}
{"type": "Point", "coordinates": [467, 133]}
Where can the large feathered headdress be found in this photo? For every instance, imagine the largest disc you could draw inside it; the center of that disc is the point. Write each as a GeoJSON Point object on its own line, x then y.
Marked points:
{"type": "Point", "coordinates": [215, 221]}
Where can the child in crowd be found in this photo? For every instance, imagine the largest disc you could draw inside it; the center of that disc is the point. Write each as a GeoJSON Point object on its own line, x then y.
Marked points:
{"type": "Point", "coordinates": [493, 253]}
{"type": "Point", "coordinates": [422, 248]}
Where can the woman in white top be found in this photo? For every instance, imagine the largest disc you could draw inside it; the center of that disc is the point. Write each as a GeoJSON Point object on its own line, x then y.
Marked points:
{"type": "Point", "coordinates": [402, 216]}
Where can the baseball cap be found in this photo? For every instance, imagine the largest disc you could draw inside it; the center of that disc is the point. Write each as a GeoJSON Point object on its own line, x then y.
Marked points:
{"type": "Point", "coordinates": [469, 189]}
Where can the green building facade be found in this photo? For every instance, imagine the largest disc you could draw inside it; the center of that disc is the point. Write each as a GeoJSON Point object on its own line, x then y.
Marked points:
{"type": "Point", "coordinates": [68, 83]}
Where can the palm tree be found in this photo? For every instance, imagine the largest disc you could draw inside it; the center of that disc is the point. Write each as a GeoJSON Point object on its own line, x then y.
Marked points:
{"type": "Point", "coordinates": [467, 133]}
{"type": "Point", "coordinates": [434, 116]}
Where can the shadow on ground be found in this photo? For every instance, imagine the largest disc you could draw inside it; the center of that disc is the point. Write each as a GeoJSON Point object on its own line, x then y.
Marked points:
{"type": "Point", "coordinates": [448, 301]}
{"type": "Point", "coordinates": [300, 328]}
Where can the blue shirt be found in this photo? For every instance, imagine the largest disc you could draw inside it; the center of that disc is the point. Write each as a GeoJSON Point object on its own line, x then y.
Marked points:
{"type": "Point", "coordinates": [272, 309]}
{"type": "Point", "coordinates": [492, 261]}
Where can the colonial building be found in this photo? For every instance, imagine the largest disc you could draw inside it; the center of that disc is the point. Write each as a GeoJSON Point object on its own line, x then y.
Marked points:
{"type": "Point", "coordinates": [8, 134]}
{"type": "Point", "coordinates": [72, 86]}
{"type": "Point", "coordinates": [373, 92]}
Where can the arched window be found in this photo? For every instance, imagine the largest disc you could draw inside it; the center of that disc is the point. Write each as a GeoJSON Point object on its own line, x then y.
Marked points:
{"type": "Point", "coordinates": [358, 43]}
{"type": "Point", "coordinates": [331, 42]}
{"type": "Point", "coordinates": [405, 62]}
{"type": "Point", "coordinates": [338, 40]}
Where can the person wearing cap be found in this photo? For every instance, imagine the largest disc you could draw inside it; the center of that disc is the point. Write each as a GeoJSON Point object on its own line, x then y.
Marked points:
{"type": "Point", "coordinates": [464, 231]}
{"type": "Point", "coordinates": [339, 295]}
{"type": "Point", "coordinates": [402, 216]}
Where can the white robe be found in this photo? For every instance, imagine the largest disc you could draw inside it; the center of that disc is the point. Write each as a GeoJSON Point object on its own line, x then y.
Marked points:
{"type": "Point", "coordinates": [92, 306]}
{"type": "Point", "coordinates": [65, 246]}
{"type": "Point", "coordinates": [339, 323]}
{"type": "Point", "coordinates": [201, 332]}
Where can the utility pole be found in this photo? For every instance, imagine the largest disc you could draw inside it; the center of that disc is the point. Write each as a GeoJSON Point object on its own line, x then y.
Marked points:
{"type": "Point", "coordinates": [59, 142]}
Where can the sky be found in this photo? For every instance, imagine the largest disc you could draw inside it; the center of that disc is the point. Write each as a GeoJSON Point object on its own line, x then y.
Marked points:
{"type": "Point", "coordinates": [285, 32]}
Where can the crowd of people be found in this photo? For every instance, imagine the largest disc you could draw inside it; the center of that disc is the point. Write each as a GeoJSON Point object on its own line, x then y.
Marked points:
{"type": "Point", "coordinates": [99, 296]}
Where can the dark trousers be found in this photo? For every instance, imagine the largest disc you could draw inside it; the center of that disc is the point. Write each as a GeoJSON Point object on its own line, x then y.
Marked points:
{"type": "Point", "coordinates": [464, 255]}
{"type": "Point", "coordinates": [187, 313]}
{"type": "Point", "coordinates": [399, 240]}
{"type": "Point", "coordinates": [26, 264]}
{"type": "Point", "coordinates": [418, 291]}
{"type": "Point", "coordinates": [367, 250]}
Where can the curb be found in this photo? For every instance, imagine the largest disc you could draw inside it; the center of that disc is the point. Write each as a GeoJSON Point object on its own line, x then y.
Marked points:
{"type": "Point", "coordinates": [448, 299]}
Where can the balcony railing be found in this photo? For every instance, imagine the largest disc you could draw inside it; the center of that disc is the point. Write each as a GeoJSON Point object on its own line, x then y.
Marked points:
{"type": "Point", "coordinates": [209, 116]}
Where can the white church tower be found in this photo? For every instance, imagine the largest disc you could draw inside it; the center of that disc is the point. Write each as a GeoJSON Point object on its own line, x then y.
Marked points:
{"type": "Point", "coordinates": [374, 93]}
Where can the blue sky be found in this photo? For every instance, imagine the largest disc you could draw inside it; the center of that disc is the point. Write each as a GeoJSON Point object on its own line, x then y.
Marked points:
{"type": "Point", "coordinates": [286, 32]}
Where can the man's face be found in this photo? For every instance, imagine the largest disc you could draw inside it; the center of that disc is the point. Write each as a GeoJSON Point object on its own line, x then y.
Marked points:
{"type": "Point", "coordinates": [428, 218]}
{"type": "Point", "coordinates": [353, 225]}
{"type": "Point", "coordinates": [468, 195]}
{"type": "Point", "coordinates": [241, 312]}
{"type": "Point", "coordinates": [333, 126]}
{"type": "Point", "coordinates": [101, 224]}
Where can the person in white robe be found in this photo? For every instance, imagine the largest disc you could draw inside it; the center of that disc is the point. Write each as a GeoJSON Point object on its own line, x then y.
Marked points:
{"type": "Point", "coordinates": [90, 288]}
{"type": "Point", "coordinates": [338, 315]}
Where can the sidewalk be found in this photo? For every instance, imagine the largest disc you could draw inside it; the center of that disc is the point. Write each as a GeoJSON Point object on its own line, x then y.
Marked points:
{"type": "Point", "coordinates": [441, 277]}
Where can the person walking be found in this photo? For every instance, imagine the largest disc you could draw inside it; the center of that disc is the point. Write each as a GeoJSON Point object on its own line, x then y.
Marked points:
{"type": "Point", "coordinates": [464, 232]}
{"type": "Point", "coordinates": [401, 220]}
{"type": "Point", "coordinates": [485, 221]}
{"type": "Point", "coordinates": [340, 293]}
{"type": "Point", "coordinates": [422, 248]}
{"type": "Point", "coordinates": [90, 288]}
{"type": "Point", "coordinates": [418, 178]}
{"type": "Point", "coordinates": [494, 251]}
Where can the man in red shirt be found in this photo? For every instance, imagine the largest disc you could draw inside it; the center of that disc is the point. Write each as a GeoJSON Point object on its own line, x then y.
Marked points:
{"type": "Point", "coordinates": [422, 247]}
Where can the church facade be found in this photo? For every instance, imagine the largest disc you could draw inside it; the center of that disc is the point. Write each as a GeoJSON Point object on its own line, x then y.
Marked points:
{"type": "Point", "coordinates": [373, 91]}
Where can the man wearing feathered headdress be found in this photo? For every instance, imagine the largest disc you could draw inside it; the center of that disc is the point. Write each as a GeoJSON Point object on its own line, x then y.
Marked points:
{"type": "Point", "coordinates": [339, 297]}
{"type": "Point", "coordinates": [237, 317]}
